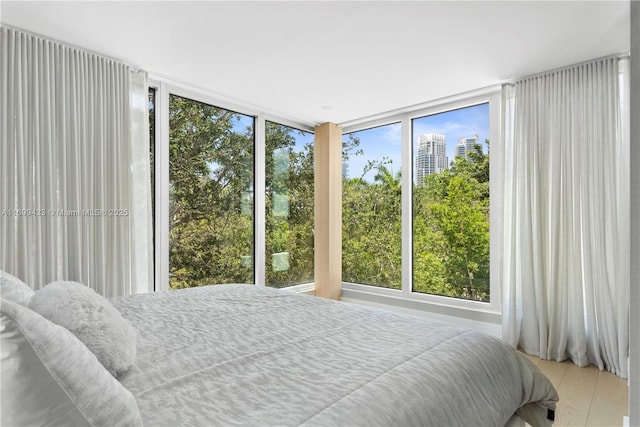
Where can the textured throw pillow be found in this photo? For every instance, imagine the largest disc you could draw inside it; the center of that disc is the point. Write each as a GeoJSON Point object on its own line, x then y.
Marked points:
{"type": "Point", "coordinates": [48, 377]}
{"type": "Point", "coordinates": [14, 289]}
{"type": "Point", "coordinates": [91, 318]}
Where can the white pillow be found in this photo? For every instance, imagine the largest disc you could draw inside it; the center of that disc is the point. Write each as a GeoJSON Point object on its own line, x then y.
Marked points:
{"type": "Point", "coordinates": [14, 289]}
{"type": "Point", "coordinates": [91, 318]}
{"type": "Point", "coordinates": [48, 377]}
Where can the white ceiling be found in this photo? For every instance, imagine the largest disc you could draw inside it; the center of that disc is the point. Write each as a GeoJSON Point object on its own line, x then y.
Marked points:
{"type": "Point", "coordinates": [334, 61]}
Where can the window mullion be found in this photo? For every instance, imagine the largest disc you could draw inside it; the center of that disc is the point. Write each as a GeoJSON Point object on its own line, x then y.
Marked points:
{"type": "Point", "coordinates": [162, 189]}
{"type": "Point", "coordinates": [407, 210]}
{"type": "Point", "coordinates": [259, 200]}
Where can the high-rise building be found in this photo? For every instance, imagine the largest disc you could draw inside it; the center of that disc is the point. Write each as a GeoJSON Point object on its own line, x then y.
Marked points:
{"type": "Point", "coordinates": [432, 155]}
{"type": "Point", "coordinates": [461, 148]}
{"type": "Point", "coordinates": [466, 146]}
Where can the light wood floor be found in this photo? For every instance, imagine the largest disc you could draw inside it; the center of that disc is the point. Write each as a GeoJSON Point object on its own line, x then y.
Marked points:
{"type": "Point", "coordinates": [588, 396]}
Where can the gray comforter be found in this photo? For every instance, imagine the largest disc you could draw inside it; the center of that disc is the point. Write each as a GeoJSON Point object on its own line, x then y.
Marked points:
{"type": "Point", "coordinates": [243, 355]}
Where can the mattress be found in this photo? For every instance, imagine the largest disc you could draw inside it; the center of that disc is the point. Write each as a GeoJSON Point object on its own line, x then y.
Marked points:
{"type": "Point", "coordinates": [243, 355]}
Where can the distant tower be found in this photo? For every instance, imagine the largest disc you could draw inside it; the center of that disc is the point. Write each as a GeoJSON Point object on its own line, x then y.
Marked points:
{"type": "Point", "coordinates": [466, 146]}
{"type": "Point", "coordinates": [461, 148]}
{"type": "Point", "coordinates": [345, 170]}
{"type": "Point", "coordinates": [432, 155]}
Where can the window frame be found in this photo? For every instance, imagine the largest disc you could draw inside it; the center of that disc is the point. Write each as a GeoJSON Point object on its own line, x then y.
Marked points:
{"type": "Point", "coordinates": [406, 297]}
{"type": "Point", "coordinates": [165, 87]}
{"type": "Point", "coordinates": [302, 287]}
{"type": "Point", "coordinates": [402, 207]}
{"type": "Point", "coordinates": [152, 171]}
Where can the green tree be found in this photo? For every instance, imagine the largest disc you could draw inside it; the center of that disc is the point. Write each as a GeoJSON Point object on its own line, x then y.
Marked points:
{"type": "Point", "coordinates": [211, 193]}
{"type": "Point", "coordinates": [289, 206]}
{"type": "Point", "coordinates": [475, 166]}
{"type": "Point", "coordinates": [460, 218]}
{"type": "Point", "coordinates": [211, 211]}
{"type": "Point", "coordinates": [371, 229]}
{"type": "Point", "coordinates": [451, 229]}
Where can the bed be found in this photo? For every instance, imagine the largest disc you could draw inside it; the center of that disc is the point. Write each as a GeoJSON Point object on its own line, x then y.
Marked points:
{"type": "Point", "coordinates": [244, 355]}
{"type": "Point", "coordinates": [249, 355]}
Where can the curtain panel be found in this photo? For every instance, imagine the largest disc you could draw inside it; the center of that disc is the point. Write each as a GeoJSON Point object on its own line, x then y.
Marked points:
{"type": "Point", "coordinates": [74, 167]}
{"type": "Point", "coordinates": [565, 276]}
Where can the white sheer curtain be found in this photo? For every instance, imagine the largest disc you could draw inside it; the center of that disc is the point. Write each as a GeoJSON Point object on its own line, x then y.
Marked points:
{"type": "Point", "coordinates": [74, 167]}
{"type": "Point", "coordinates": [566, 236]}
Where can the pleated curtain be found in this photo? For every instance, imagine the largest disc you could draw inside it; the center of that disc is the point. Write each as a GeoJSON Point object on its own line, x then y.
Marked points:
{"type": "Point", "coordinates": [74, 167]}
{"type": "Point", "coordinates": [565, 275]}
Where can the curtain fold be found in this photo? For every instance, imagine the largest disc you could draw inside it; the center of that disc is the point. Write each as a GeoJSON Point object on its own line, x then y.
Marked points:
{"type": "Point", "coordinates": [75, 193]}
{"type": "Point", "coordinates": [566, 261]}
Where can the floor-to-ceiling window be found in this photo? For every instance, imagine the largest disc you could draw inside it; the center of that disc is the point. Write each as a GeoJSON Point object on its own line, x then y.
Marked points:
{"type": "Point", "coordinates": [289, 205]}
{"type": "Point", "coordinates": [415, 199]}
{"type": "Point", "coordinates": [451, 203]}
{"type": "Point", "coordinates": [233, 193]}
{"type": "Point", "coordinates": [371, 207]}
{"type": "Point", "coordinates": [211, 185]}
{"type": "Point", "coordinates": [416, 205]}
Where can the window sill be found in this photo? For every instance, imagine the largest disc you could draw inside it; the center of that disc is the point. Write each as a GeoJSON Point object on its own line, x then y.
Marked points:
{"type": "Point", "coordinates": [417, 304]}
{"type": "Point", "coordinates": [486, 320]}
{"type": "Point", "coordinates": [306, 288]}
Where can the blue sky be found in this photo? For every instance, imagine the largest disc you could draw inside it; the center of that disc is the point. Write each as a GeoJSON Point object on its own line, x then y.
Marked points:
{"type": "Point", "coordinates": [302, 138]}
{"type": "Point", "coordinates": [385, 140]}
{"type": "Point", "coordinates": [377, 143]}
{"type": "Point", "coordinates": [241, 122]}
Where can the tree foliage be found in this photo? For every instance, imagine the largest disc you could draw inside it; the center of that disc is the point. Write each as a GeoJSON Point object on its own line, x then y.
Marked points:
{"type": "Point", "coordinates": [211, 199]}
{"type": "Point", "coordinates": [211, 156]}
{"type": "Point", "coordinates": [371, 230]}
{"type": "Point", "coordinates": [453, 206]}
{"type": "Point", "coordinates": [289, 207]}
{"type": "Point", "coordinates": [211, 195]}
{"type": "Point", "coordinates": [450, 229]}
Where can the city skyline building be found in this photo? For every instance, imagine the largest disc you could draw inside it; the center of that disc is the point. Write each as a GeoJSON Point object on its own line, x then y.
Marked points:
{"type": "Point", "coordinates": [466, 146]}
{"type": "Point", "coordinates": [432, 155]}
{"type": "Point", "coordinates": [345, 170]}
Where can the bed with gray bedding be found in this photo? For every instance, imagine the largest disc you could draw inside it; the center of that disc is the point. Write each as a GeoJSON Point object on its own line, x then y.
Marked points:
{"type": "Point", "coordinates": [243, 355]}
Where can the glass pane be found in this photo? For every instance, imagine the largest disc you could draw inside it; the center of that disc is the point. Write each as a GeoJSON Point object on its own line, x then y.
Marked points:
{"type": "Point", "coordinates": [211, 195]}
{"type": "Point", "coordinates": [451, 203]}
{"type": "Point", "coordinates": [151, 104]}
{"type": "Point", "coordinates": [371, 207]}
{"type": "Point", "coordinates": [289, 206]}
